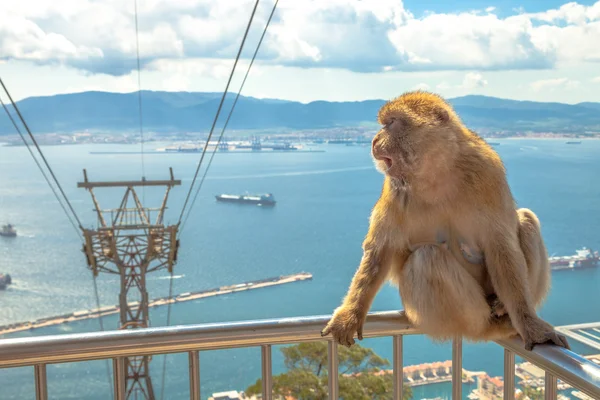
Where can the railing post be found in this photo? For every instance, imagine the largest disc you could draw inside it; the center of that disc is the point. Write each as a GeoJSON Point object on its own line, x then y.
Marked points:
{"type": "Point", "coordinates": [41, 382]}
{"type": "Point", "coordinates": [194, 372]}
{"type": "Point", "coordinates": [457, 369]}
{"type": "Point", "coordinates": [398, 367]}
{"type": "Point", "coordinates": [119, 377]}
{"type": "Point", "coordinates": [509, 375]}
{"type": "Point", "coordinates": [550, 386]}
{"type": "Point", "coordinates": [267, 373]}
{"type": "Point", "coordinates": [332, 369]}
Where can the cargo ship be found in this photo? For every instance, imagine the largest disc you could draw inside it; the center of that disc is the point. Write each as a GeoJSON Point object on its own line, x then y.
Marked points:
{"type": "Point", "coordinates": [8, 230]}
{"type": "Point", "coordinates": [260, 200]}
{"type": "Point", "coordinates": [583, 258]}
{"type": "Point", "coordinates": [5, 280]}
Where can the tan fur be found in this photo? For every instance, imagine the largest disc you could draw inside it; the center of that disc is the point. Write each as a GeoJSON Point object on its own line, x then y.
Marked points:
{"type": "Point", "coordinates": [439, 174]}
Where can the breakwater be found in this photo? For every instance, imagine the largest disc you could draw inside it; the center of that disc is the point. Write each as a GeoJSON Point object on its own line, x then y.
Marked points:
{"type": "Point", "coordinates": [188, 296]}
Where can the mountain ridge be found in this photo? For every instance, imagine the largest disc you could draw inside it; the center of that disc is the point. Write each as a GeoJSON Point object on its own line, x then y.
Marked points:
{"type": "Point", "coordinates": [194, 112]}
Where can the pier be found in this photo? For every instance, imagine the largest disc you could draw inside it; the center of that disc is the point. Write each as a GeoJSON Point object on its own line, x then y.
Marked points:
{"type": "Point", "coordinates": [188, 296]}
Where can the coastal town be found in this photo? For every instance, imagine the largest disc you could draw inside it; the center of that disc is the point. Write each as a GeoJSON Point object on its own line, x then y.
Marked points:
{"type": "Point", "coordinates": [487, 387]}
{"type": "Point", "coordinates": [340, 135]}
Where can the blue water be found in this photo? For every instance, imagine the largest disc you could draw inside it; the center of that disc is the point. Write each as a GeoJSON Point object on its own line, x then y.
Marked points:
{"type": "Point", "coordinates": [324, 200]}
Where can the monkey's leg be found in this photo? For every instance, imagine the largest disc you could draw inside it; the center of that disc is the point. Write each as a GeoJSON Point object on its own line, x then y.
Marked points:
{"type": "Point", "coordinates": [349, 317]}
{"type": "Point", "coordinates": [441, 298]}
{"type": "Point", "coordinates": [508, 265]}
{"type": "Point", "coordinates": [536, 258]}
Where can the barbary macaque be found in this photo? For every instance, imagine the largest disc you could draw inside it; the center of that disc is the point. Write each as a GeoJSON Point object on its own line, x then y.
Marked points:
{"type": "Point", "coordinates": [447, 232]}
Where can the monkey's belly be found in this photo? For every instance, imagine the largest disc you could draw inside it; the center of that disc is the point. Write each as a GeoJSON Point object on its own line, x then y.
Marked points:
{"type": "Point", "coordinates": [440, 296]}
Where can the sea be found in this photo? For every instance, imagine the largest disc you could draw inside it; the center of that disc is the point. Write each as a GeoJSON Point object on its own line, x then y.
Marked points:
{"type": "Point", "coordinates": [321, 217]}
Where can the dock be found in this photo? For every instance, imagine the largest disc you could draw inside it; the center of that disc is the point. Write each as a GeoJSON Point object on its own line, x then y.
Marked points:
{"type": "Point", "coordinates": [427, 373]}
{"type": "Point", "coordinates": [161, 301]}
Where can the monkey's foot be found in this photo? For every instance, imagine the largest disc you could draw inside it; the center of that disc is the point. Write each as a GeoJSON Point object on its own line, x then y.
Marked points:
{"type": "Point", "coordinates": [540, 332]}
{"type": "Point", "coordinates": [343, 325]}
{"type": "Point", "coordinates": [498, 309]}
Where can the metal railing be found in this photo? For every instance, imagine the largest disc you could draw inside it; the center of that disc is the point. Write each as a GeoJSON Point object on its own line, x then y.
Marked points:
{"type": "Point", "coordinates": [116, 345]}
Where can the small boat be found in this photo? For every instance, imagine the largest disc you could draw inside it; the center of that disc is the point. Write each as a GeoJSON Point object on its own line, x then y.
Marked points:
{"type": "Point", "coordinates": [574, 142]}
{"type": "Point", "coordinates": [8, 230]}
{"type": "Point", "coordinates": [261, 200]}
{"type": "Point", "coordinates": [5, 280]}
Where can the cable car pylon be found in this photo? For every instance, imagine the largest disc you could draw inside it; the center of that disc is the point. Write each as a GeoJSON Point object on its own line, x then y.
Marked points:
{"type": "Point", "coordinates": [131, 241]}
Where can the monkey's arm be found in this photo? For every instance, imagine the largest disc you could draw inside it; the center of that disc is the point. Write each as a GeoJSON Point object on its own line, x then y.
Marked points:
{"type": "Point", "coordinates": [508, 271]}
{"type": "Point", "coordinates": [349, 317]}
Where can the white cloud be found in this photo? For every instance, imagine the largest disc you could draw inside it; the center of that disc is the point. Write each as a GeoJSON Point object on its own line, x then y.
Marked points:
{"type": "Point", "coordinates": [571, 13]}
{"type": "Point", "coordinates": [98, 36]}
{"type": "Point", "coordinates": [23, 39]}
{"type": "Point", "coordinates": [474, 80]}
{"type": "Point", "coordinates": [571, 31]}
{"type": "Point", "coordinates": [470, 82]}
{"type": "Point", "coordinates": [554, 84]}
{"type": "Point", "coordinates": [596, 79]}
{"type": "Point", "coordinates": [421, 86]}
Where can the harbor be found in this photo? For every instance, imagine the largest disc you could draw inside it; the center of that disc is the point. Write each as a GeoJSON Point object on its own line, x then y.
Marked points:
{"type": "Point", "coordinates": [255, 146]}
{"type": "Point", "coordinates": [156, 152]}
{"type": "Point", "coordinates": [161, 301]}
{"type": "Point", "coordinates": [431, 373]}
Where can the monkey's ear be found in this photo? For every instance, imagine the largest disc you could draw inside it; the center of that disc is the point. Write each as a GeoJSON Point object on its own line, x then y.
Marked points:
{"type": "Point", "coordinates": [441, 115]}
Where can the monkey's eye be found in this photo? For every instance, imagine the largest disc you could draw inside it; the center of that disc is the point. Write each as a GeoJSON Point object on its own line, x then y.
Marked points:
{"type": "Point", "coordinates": [390, 122]}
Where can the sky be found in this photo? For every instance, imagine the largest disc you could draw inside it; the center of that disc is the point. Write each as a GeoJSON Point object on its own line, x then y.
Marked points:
{"type": "Point", "coordinates": [336, 50]}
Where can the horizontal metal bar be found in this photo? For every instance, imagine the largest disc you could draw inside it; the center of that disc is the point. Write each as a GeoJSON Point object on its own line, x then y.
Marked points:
{"type": "Point", "coordinates": [594, 344]}
{"type": "Point", "coordinates": [175, 339]}
{"type": "Point", "coordinates": [89, 185]}
{"type": "Point", "coordinates": [562, 364]}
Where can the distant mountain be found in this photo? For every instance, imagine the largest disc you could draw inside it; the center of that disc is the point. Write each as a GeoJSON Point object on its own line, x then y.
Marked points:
{"type": "Point", "coordinates": [193, 112]}
{"type": "Point", "coordinates": [595, 106]}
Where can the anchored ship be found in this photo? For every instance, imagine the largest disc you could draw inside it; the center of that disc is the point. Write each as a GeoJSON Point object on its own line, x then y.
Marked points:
{"type": "Point", "coordinates": [5, 280]}
{"type": "Point", "coordinates": [261, 200]}
{"type": "Point", "coordinates": [583, 258]}
{"type": "Point", "coordinates": [8, 230]}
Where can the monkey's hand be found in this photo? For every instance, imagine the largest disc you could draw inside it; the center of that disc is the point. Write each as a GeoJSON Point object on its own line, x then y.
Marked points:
{"type": "Point", "coordinates": [345, 322]}
{"type": "Point", "coordinates": [537, 331]}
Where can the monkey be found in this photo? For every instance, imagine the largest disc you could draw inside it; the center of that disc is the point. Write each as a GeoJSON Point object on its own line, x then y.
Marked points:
{"type": "Point", "coordinates": [446, 231]}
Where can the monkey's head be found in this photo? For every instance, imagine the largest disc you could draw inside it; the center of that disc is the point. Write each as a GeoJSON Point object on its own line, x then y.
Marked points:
{"type": "Point", "coordinates": [418, 140]}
